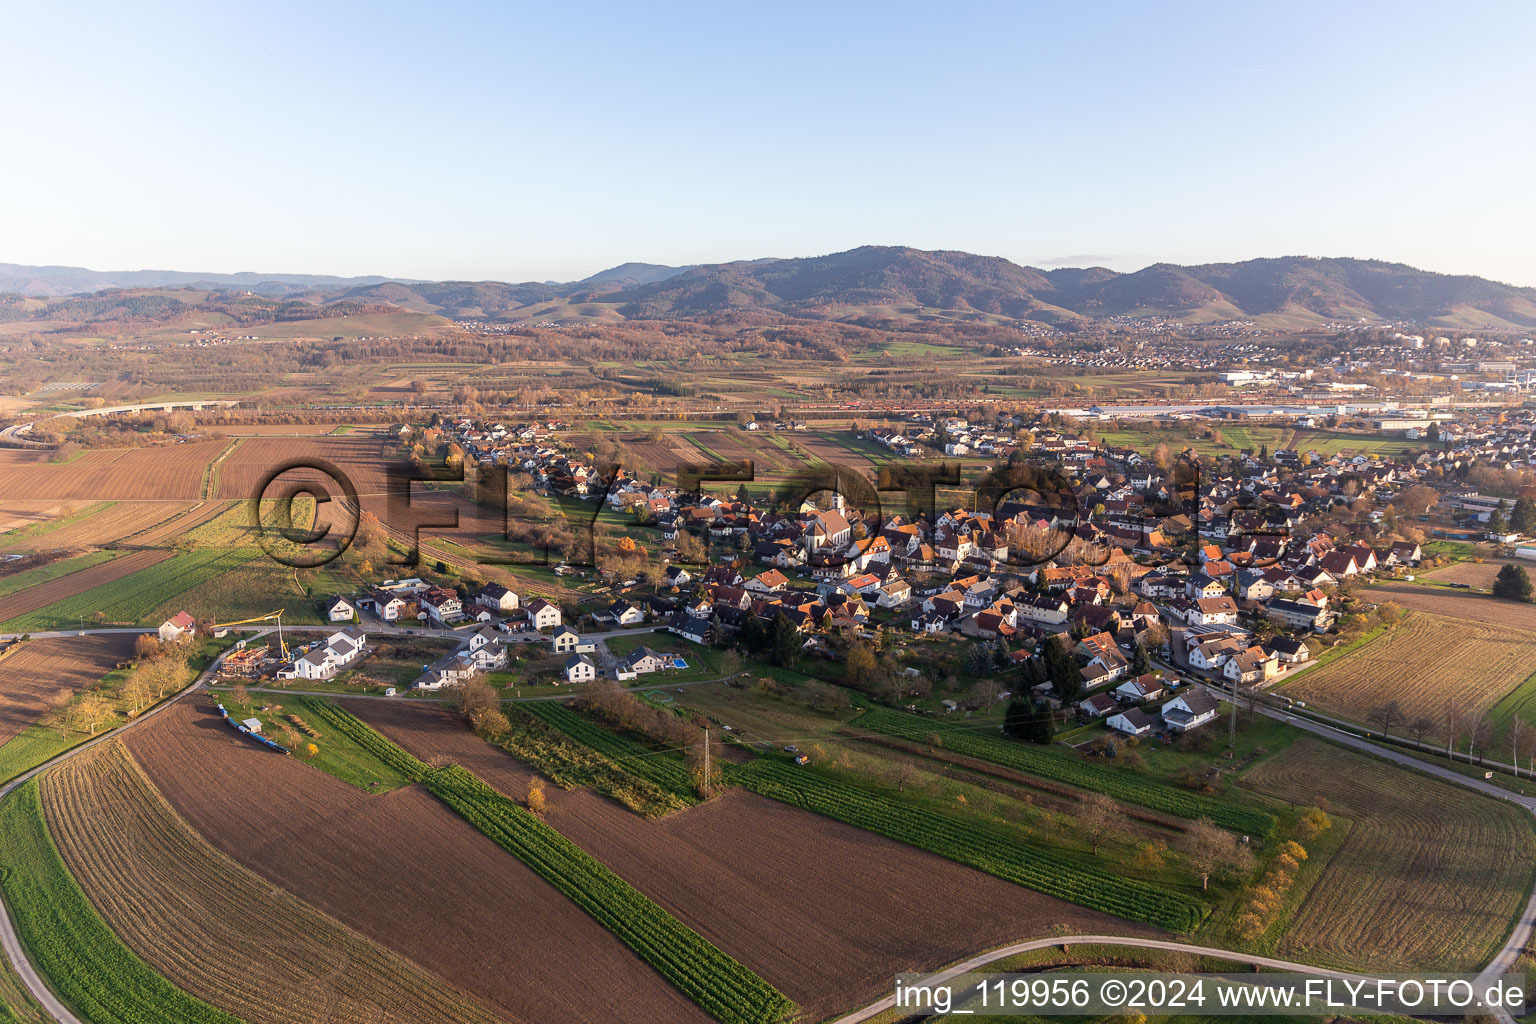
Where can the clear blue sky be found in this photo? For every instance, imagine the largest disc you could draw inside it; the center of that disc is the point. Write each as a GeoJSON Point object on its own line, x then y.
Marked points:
{"type": "Point", "coordinates": [547, 141]}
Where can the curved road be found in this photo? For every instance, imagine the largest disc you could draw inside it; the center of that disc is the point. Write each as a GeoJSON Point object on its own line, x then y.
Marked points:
{"type": "Point", "coordinates": [975, 962]}
{"type": "Point", "coordinates": [9, 940]}
{"type": "Point", "coordinates": [1501, 963]}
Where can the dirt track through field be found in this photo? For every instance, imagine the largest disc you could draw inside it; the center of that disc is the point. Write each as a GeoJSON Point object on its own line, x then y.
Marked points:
{"type": "Point", "coordinates": [40, 675]}
{"type": "Point", "coordinates": [405, 871]}
{"type": "Point", "coordinates": [824, 911]}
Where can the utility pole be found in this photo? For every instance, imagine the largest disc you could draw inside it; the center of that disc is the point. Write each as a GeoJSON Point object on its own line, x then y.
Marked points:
{"type": "Point", "coordinates": [1232, 725]}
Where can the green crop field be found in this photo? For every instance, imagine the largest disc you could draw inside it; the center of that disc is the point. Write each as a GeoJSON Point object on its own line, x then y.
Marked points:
{"type": "Point", "coordinates": [669, 773]}
{"type": "Point", "coordinates": [1121, 784]}
{"type": "Point", "coordinates": [134, 598]}
{"type": "Point", "coordinates": [89, 966]}
{"type": "Point", "coordinates": [43, 573]}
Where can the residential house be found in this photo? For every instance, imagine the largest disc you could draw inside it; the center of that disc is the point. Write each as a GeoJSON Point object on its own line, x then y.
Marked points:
{"type": "Point", "coordinates": [1189, 710]}
{"type": "Point", "coordinates": [643, 660]}
{"type": "Point", "coordinates": [498, 598]}
{"type": "Point", "coordinates": [177, 626]}
{"type": "Point", "coordinates": [1143, 687]}
{"type": "Point", "coordinates": [580, 669]}
{"type": "Point", "coordinates": [1097, 706]}
{"type": "Point", "coordinates": [543, 615]}
{"type": "Point", "coordinates": [443, 605]}
{"type": "Point", "coordinates": [1291, 651]}
{"type": "Point", "coordinates": [1130, 722]}
{"type": "Point", "coordinates": [565, 640]}
{"type": "Point", "coordinates": [340, 609]}
{"type": "Point", "coordinates": [1213, 611]}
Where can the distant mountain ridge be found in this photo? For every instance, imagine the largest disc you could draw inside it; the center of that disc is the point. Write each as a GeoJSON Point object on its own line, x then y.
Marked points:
{"type": "Point", "coordinates": [50, 281]}
{"type": "Point", "coordinates": [896, 281]}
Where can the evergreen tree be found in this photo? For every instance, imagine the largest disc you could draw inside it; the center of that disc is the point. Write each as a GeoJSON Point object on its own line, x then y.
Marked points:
{"type": "Point", "coordinates": [1498, 519]}
{"type": "Point", "coordinates": [754, 635]}
{"type": "Point", "coordinates": [786, 641]}
{"type": "Point", "coordinates": [1043, 723]}
{"type": "Point", "coordinates": [1062, 667]}
{"type": "Point", "coordinates": [1512, 584]}
{"type": "Point", "coordinates": [1140, 665]}
{"type": "Point", "coordinates": [1018, 720]}
{"type": "Point", "coordinates": [743, 495]}
{"type": "Point", "coordinates": [1523, 518]}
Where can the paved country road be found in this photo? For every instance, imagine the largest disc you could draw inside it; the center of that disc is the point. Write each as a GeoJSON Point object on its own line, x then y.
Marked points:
{"type": "Point", "coordinates": [9, 940]}
{"type": "Point", "coordinates": [1501, 963]}
{"type": "Point", "coordinates": [977, 962]}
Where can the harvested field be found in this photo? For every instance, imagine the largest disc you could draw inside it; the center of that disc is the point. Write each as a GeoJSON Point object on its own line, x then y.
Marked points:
{"type": "Point", "coordinates": [187, 521]}
{"type": "Point", "coordinates": [1430, 876]}
{"type": "Point", "coordinates": [734, 446]}
{"type": "Point", "coordinates": [118, 474]}
{"type": "Point", "coordinates": [1460, 604]}
{"type": "Point", "coordinates": [40, 675]}
{"type": "Point", "coordinates": [121, 521]}
{"type": "Point", "coordinates": [771, 884]}
{"type": "Point", "coordinates": [1421, 664]}
{"type": "Point", "coordinates": [656, 457]}
{"type": "Point", "coordinates": [834, 452]}
{"type": "Point", "coordinates": [1477, 574]}
{"type": "Point", "coordinates": [24, 602]}
{"type": "Point", "coordinates": [215, 929]}
{"type": "Point", "coordinates": [18, 512]}
{"type": "Point", "coordinates": [395, 867]}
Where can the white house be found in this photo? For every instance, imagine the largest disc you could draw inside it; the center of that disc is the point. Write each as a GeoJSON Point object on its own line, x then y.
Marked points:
{"type": "Point", "coordinates": [1189, 710]}
{"type": "Point", "coordinates": [1130, 722]}
{"type": "Point", "coordinates": [1209, 611]}
{"type": "Point", "coordinates": [177, 626]}
{"type": "Point", "coordinates": [579, 669]}
{"type": "Point", "coordinates": [497, 598]}
{"type": "Point", "coordinates": [543, 615]}
{"type": "Point", "coordinates": [339, 609]}
{"type": "Point", "coordinates": [1097, 706]}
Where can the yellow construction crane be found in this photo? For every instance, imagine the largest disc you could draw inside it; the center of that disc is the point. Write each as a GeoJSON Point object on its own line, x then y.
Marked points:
{"type": "Point", "coordinates": [277, 615]}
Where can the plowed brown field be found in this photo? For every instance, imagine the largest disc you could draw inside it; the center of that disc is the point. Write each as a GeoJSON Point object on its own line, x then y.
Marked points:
{"type": "Point", "coordinates": [214, 928]}
{"type": "Point", "coordinates": [121, 521]}
{"type": "Point", "coordinates": [43, 594]}
{"type": "Point", "coordinates": [42, 674]}
{"type": "Point", "coordinates": [405, 871]}
{"type": "Point", "coordinates": [823, 911]}
{"type": "Point", "coordinates": [1460, 604]}
{"type": "Point", "coordinates": [356, 455]}
{"type": "Point", "coordinates": [119, 474]}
